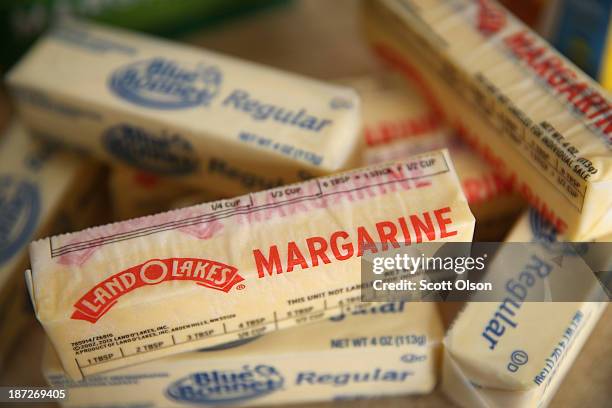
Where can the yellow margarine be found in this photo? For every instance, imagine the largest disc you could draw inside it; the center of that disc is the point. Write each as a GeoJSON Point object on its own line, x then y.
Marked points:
{"type": "Point", "coordinates": [526, 108]}
{"type": "Point", "coordinates": [200, 276]}
{"type": "Point", "coordinates": [136, 193]}
{"type": "Point", "coordinates": [184, 112]}
{"type": "Point", "coordinates": [513, 353]}
{"type": "Point", "coordinates": [392, 111]}
{"type": "Point", "coordinates": [42, 191]}
{"type": "Point", "coordinates": [370, 350]}
{"type": "Point", "coordinates": [397, 123]}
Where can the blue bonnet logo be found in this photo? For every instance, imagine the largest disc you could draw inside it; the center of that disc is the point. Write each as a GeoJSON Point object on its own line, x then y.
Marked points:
{"type": "Point", "coordinates": [164, 84]}
{"type": "Point", "coordinates": [226, 386]}
{"type": "Point", "coordinates": [19, 212]}
{"type": "Point", "coordinates": [159, 153]}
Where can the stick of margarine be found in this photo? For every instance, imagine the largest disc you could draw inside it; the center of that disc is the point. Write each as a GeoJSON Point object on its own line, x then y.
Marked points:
{"type": "Point", "coordinates": [42, 191]}
{"type": "Point", "coordinates": [200, 276]}
{"type": "Point", "coordinates": [177, 110]}
{"type": "Point", "coordinates": [397, 123]}
{"type": "Point", "coordinates": [136, 193]}
{"type": "Point", "coordinates": [526, 108]}
{"type": "Point", "coordinates": [369, 350]}
{"type": "Point", "coordinates": [513, 353]}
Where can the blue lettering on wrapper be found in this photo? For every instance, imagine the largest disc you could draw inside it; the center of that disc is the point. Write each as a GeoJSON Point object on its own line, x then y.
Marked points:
{"type": "Point", "coordinates": [541, 229]}
{"type": "Point", "coordinates": [162, 153]}
{"type": "Point", "coordinates": [226, 386]}
{"type": "Point", "coordinates": [19, 213]}
{"type": "Point", "coordinates": [160, 83]}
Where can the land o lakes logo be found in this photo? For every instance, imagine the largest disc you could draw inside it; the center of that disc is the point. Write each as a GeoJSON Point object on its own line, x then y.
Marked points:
{"type": "Point", "coordinates": [226, 386]}
{"type": "Point", "coordinates": [103, 296]}
{"type": "Point", "coordinates": [160, 153]}
{"type": "Point", "coordinates": [19, 213]}
{"type": "Point", "coordinates": [164, 84]}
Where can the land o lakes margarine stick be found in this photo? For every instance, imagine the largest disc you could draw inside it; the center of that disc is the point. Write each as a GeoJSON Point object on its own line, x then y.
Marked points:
{"type": "Point", "coordinates": [172, 109]}
{"type": "Point", "coordinates": [526, 108]}
{"type": "Point", "coordinates": [201, 276]}
{"type": "Point", "coordinates": [398, 123]}
{"type": "Point", "coordinates": [370, 350]}
{"type": "Point", "coordinates": [514, 353]}
{"type": "Point", "coordinates": [42, 191]}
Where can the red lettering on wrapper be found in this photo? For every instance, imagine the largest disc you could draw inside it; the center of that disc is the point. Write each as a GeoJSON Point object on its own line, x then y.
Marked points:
{"type": "Point", "coordinates": [585, 100]}
{"type": "Point", "coordinates": [102, 297]}
{"type": "Point", "coordinates": [343, 245]}
{"type": "Point", "coordinates": [388, 131]}
{"type": "Point", "coordinates": [491, 18]}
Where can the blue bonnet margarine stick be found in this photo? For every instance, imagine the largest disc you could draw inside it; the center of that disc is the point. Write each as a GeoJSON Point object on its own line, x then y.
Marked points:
{"type": "Point", "coordinates": [237, 268]}
{"type": "Point", "coordinates": [513, 353]}
{"type": "Point", "coordinates": [370, 350]}
{"type": "Point", "coordinates": [42, 191]}
{"type": "Point", "coordinates": [178, 110]}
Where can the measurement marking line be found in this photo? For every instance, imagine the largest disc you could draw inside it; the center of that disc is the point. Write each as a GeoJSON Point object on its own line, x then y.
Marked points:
{"type": "Point", "coordinates": [225, 332]}
{"type": "Point", "coordinates": [145, 231]}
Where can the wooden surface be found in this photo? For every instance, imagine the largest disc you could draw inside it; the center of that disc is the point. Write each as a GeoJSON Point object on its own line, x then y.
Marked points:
{"type": "Point", "coordinates": [322, 39]}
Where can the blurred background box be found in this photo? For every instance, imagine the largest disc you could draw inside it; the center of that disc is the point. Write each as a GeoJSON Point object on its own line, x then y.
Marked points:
{"type": "Point", "coordinates": [22, 21]}
{"type": "Point", "coordinates": [580, 29]}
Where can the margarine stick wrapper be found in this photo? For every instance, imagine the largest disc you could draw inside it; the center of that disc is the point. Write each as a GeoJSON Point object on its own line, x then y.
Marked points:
{"type": "Point", "coordinates": [172, 109]}
{"type": "Point", "coordinates": [39, 189]}
{"type": "Point", "coordinates": [522, 105]}
{"type": "Point", "coordinates": [200, 276]}
{"type": "Point", "coordinates": [398, 123]}
{"type": "Point", "coordinates": [369, 350]}
{"type": "Point", "coordinates": [513, 353]}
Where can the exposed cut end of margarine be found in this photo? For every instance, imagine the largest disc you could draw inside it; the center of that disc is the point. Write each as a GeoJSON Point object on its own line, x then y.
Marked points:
{"type": "Point", "coordinates": [530, 111]}
{"type": "Point", "coordinates": [178, 110]}
{"type": "Point", "coordinates": [369, 350]}
{"type": "Point", "coordinates": [515, 353]}
{"type": "Point", "coordinates": [222, 271]}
